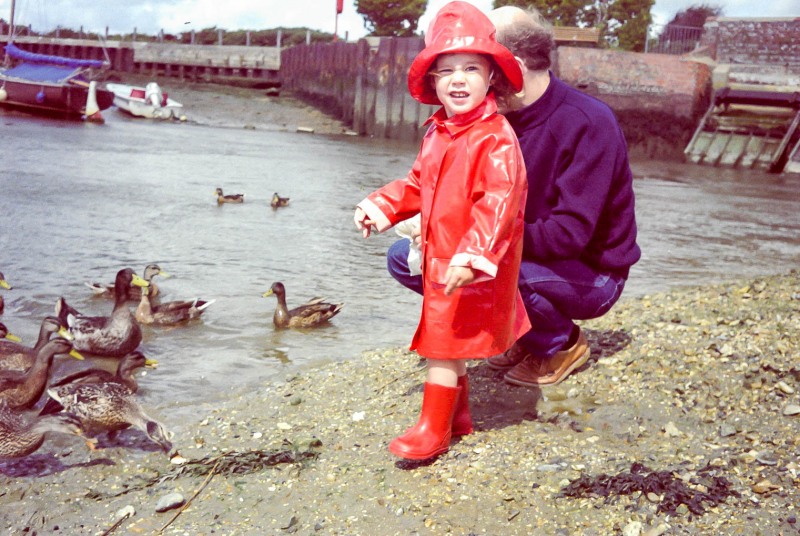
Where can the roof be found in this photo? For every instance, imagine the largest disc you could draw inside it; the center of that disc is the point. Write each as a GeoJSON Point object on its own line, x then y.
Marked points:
{"type": "Point", "coordinates": [571, 34]}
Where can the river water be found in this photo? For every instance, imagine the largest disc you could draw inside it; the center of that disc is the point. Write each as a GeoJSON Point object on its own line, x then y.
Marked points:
{"type": "Point", "coordinates": [80, 201]}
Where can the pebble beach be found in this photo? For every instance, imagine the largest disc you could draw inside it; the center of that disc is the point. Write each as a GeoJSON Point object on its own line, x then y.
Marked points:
{"type": "Point", "coordinates": [685, 420]}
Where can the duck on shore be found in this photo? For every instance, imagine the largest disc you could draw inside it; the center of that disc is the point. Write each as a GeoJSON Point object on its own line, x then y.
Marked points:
{"type": "Point", "coordinates": [21, 435]}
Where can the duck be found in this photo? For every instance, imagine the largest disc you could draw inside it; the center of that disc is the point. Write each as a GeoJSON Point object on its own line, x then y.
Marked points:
{"type": "Point", "coordinates": [233, 198]}
{"type": "Point", "coordinates": [278, 201]}
{"type": "Point", "coordinates": [6, 335]}
{"type": "Point", "coordinates": [106, 407]}
{"type": "Point", "coordinates": [124, 374]}
{"type": "Point", "coordinates": [313, 313]}
{"type": "Point", "coordinates": [169, 313]}
{"type": "Point", "coordinates": [16, 356]}
{"type": "Point", "coordinates": [134, 293]}
{"type": "Point", "coordinates": [3, 284]}
{"type": "Point", "coordinates": [106, 336]}
{"type": "Point", "coordinates": [21, 390]}
{"type": "Point", "coordinates": [21, 435]}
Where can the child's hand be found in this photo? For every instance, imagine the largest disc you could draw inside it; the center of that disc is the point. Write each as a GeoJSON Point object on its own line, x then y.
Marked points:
{"type": "Point", "coordinates": [362, 223]}
{"type": "Point", "coordinates": [456, 277]}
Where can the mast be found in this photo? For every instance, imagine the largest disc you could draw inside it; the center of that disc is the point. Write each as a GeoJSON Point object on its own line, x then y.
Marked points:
{"type": "Point", "coordinates": [6, 57]}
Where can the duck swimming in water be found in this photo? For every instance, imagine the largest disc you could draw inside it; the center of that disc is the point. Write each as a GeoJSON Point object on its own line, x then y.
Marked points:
{"type": "Point", "coordinates": [134, 293]}
{"type": "Point", "coordinates": [124, 375]}
{"type": "Point", "coordinates": [106, 336]}
{"type": "Point", "coordinates": [169, 313]}
{"type": "Point", "coordinates": [278, 201]}
{"type": "Point", "coordinates": [16, 356]}
{"type": "Point", "coordinates": [233, 198]}
{"type": "Point", "coordinates": [311, 314]}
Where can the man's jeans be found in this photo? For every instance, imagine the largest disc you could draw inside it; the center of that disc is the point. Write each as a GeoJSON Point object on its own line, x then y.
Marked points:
{"type": "Point", "coordinates": [555, 294]}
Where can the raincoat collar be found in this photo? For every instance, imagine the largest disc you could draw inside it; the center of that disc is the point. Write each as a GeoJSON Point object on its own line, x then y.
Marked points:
{"type": "Point", "coordinates": [460, 122]}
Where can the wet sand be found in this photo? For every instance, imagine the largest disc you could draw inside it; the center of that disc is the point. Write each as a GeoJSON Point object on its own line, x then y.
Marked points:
{"type": "Point", "coordinates": [697, 385]}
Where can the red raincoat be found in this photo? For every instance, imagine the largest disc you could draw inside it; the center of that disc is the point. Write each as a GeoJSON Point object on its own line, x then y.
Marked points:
{"type": "Point", "coordinates": [469, 184]}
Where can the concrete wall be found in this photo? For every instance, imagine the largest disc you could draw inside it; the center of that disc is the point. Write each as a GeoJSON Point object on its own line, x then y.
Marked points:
{"type": "Point", "coordinates": [656, 97]}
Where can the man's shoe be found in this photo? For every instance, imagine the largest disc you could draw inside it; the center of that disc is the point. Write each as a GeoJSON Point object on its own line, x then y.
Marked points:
{"type": "Point", "coordinates": [535, 372]}
{"type": "Point", "coordinates": [508, 359]}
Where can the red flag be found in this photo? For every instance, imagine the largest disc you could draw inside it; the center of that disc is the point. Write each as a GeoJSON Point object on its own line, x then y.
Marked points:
{"type": "Point", "coordinates": [339, 6]}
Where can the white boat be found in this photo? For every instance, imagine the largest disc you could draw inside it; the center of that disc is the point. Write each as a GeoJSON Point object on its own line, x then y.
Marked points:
{"type": "Point", "coordinates": [148, 101]}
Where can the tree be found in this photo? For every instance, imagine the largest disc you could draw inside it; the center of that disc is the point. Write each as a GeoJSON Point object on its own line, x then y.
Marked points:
{"type": "Point", "coordinates": [391, 17]}
{"type": "Point", "coordinates": [622, 23]}
{"type": "Point", "coordinates": [628, 22]}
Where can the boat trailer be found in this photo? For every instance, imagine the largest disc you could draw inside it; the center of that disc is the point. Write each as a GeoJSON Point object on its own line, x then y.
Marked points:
{"type": "Point", "coordinates": [748, 129]}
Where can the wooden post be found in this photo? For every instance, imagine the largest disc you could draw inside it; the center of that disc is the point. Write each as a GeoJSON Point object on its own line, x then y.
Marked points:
{"type": "Point", "coordinates": [219, 36]}
{"type": "Point", "coordinates": [280, 38]}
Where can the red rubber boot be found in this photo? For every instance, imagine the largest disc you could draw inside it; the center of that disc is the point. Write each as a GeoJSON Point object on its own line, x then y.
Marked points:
{"type": "Point", "coordinates": [431, 435]}
{"type": "Point", "coordinates": [462, 418]}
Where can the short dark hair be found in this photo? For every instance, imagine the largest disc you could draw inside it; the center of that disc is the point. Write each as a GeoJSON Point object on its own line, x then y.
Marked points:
{"type": "Point", "coordinates": [531, 39]}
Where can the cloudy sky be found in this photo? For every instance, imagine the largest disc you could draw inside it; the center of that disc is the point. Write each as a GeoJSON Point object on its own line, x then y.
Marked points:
{"type": "Point", "coordinates": [175, 16]}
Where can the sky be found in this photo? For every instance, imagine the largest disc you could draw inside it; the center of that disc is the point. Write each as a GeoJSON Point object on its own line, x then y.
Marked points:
{"type": "Point", "coordinates": [176, 16]}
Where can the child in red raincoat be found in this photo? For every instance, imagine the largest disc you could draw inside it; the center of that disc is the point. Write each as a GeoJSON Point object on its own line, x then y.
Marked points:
{"type": "Point", "coordinates": [469, 185]}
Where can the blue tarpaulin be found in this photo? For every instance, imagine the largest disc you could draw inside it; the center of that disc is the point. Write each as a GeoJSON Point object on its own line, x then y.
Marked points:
{"type": "Point", "coordinates": [40, 73]}
{"type": "Point", "coordinates": [19, 54]}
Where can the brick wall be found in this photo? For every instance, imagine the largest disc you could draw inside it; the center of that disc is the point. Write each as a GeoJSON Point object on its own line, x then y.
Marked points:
{"type": "Point", "coordinates": [762, 41]}
{"type": "Point", "coordinates": [658, 83]}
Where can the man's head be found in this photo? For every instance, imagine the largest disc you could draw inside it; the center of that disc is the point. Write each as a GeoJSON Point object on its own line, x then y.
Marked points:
{"type": "Point", "coordinates": [526, 34]}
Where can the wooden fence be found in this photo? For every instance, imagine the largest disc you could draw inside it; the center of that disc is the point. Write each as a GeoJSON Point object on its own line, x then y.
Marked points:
{"type": "Point", "coordinates": [363, 83]}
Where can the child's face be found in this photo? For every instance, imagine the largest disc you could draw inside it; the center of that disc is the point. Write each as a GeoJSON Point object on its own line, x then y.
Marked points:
{"type": "Point", "coordinates": [461, 81]}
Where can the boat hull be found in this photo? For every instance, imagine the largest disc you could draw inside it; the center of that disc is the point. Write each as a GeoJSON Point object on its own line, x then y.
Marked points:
{"type": "Point", "coordinates": [130, 99]}
{"type": "Point", "coordinates": [62, 99]}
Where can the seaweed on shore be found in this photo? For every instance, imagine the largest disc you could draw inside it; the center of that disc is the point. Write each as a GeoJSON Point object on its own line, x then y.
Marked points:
{"type": "Point", "coordinates": [672, 490]}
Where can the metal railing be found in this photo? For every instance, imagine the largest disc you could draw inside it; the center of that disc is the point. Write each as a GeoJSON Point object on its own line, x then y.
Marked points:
{"type": "Point", "coordinates": [672, 39]}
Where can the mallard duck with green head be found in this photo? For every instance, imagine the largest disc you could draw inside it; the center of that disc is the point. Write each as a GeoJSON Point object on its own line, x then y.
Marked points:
{"type": "Point", "coordinates": [106, 407]}
{"type": "Point", "coordinates": [106, 336]}
{"type": "Point", "coordinates": [3, 284]}
{"type": "Point", "coordinates": [17, 356]}
{"type": "Point", "coordinates": [278, 201]}
{"type": "Point", "coordinates": [21, 390]}
{"type": "Point", "coordinates": [124, 374]}
{"type": "Point", "coordinates": [232, 198]}
{"type": "Point", "coordinates": [23, 434]}
{"type": "Point", "coordinates": [134, 293]}
{"type": "Point", "coordinates": [311, 314]}
{"type": "Point", "coordinates": [169, 313]}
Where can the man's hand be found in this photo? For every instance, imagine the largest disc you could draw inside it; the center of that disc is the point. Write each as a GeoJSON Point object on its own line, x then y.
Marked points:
{"type": "Point", "coordinates": [457, 277]}
{"type": "Point", "coordinates": [362, 223]}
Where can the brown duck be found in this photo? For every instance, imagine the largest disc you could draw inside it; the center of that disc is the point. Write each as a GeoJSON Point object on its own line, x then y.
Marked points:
{"type": "Point", "coordinates": [16, 356]}
{"type": "Point", "coordinates": [21, 435]}
{"type": "Point", "coordinates": [133, 293]}
{"type": "Point", "coordinates": [21, 390]}
{"type": "Point", "coordinates": [169, 313]}
{"type": "Point", "coordinates": [311, 314]}
{"type": "Point", "coordinates": [232, 198]}
{"type": "Point", "coordinates": [124, 375]}
{"type": "Point", "coordinates": [106, 336]}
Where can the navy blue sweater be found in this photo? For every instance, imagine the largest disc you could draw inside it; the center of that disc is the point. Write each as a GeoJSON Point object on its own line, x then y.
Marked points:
{"type": "Point", "coordinates": [580, 187]}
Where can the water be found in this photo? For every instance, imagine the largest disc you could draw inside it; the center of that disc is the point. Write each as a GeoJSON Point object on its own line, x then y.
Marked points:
{"type": "Point", "coordinates": [80, 201]}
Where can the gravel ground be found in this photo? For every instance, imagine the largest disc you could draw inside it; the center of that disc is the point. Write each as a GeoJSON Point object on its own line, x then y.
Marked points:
{"type": "Point", "coordinates": [685, 421]}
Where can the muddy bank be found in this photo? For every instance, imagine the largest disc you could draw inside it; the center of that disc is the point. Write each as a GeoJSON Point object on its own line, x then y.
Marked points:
{"type": "Point", "coordinates": [685, 421]}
